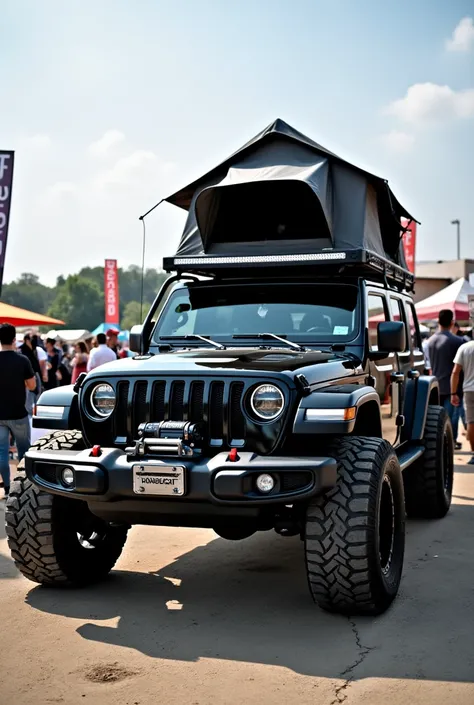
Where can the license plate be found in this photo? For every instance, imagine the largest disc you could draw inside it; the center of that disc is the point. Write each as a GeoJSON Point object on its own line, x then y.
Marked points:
{"type": "Point", "coordinates": [158, 479]}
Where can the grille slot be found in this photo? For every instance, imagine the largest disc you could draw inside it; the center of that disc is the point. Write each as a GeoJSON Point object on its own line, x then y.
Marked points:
{"type": "Point", "coordinates": [196, 403]}
{"type": "Point", "coordinates": [158, 403]}
{"type": "Point", "coordinates": [121, 412]}
{"type": "Point", "coordinates": [236, 418]}
{"type": "Point", "coordinates": [177, 401]}
{"type": "Point", "coordinates": [216, 413]}
{"type": "Point", "coordinates": [139, 408]}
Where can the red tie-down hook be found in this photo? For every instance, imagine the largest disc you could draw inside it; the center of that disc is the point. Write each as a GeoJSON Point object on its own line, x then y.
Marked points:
{"type": "Point", "coordinates": [233, 455]}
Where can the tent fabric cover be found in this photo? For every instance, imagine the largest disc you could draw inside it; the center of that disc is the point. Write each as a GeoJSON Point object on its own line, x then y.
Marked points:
{"type": "Point", "coordinates": [283, 193]}
{"type": "Point", "coordinates": [21, 317]}
{"type": "Point", "coordinates": [453, 297]}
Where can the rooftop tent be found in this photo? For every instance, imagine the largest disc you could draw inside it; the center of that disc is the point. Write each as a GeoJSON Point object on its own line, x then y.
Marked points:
{"type": "Point", "coordinates": [283, 194]}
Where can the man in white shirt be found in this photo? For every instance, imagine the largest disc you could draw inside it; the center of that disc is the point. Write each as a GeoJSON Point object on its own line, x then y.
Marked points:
{"type": "Point", "coordinates": [101, 354]}
{"type": "Point", "coordinates": [464, 362]}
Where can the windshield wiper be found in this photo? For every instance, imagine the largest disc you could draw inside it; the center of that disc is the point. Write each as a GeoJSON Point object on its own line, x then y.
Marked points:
{"type": "Point", "coordinates": [261, 336]}
{"type": "Point", "coordinates": [194, 336]}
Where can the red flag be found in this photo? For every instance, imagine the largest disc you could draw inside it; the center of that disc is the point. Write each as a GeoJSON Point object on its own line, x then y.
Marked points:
{"type": "Point", "coordinates": [409, 243]}
{"type": "Point", "coordinates": [111, 292]}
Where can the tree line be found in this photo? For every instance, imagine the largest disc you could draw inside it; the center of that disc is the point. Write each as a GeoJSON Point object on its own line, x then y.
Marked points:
{"type": "Point", "coordinates": [78, 299]}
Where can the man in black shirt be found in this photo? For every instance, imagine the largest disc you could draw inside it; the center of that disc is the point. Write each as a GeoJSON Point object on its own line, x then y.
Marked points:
{"type": "Point", "coordinates": [16, 376]}
{"type": "Point", "coordinates": [442, 349]}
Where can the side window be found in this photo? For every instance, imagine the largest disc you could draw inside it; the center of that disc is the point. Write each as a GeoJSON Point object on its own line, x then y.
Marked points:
{"type": "Point", "coordinates": [398, 314]}
{"type": "Point", "coordinates": [414, 327]}
{"type": "Point", "coordinates": [377, 312]}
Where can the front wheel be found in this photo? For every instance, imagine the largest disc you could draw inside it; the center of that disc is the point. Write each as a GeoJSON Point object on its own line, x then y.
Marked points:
{"type": "Point", "coordinates": [355, 533]}
{"type": "Point", "coordinates": [55, 540]}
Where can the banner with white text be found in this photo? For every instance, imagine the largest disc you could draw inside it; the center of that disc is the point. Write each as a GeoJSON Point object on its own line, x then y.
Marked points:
{"type": "Point", "coordinates": [6, 180]}
{"type": "Point", "coordinates": [409, 243]}
{"type": "Point", "coordinates": [111, 292]}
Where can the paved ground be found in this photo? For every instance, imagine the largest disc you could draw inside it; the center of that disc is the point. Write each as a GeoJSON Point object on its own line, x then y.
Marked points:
{"type": "Point", "coordinates": [188, 618]}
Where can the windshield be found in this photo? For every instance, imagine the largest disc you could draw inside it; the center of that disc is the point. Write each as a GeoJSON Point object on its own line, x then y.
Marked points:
{"type": "Point", "coordinates": [301, 312]}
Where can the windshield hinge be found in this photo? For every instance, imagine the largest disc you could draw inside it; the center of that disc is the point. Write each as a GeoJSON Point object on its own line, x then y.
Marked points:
{"type": "Point", "coordinates": [303, 384]}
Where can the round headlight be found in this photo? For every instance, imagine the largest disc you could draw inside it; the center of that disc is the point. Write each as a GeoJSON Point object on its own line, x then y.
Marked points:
{"type": "Point", "coordinates": [267, 402]}
{"type": "Point", "coordinates": [103, 400]}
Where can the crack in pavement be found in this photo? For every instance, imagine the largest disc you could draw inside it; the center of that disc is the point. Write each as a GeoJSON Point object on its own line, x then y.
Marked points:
{"type": "Point", "coordinates": [348, 673]}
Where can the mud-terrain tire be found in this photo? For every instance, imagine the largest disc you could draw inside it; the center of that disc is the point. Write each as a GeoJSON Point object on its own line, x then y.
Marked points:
{"type": "Point", "coordinates": [55, 540]}
{"type": "Point", "coordinates": [429, 481]}
{"type": "Point", "coordinates": [355, 532]}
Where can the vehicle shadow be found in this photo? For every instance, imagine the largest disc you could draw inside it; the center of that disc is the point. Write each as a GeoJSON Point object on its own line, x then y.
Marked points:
{"type": "Point", "coordinates": [248, 601]}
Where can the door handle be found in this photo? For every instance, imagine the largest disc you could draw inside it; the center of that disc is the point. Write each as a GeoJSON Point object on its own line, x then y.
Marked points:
{"type": "Point", "coordinates": [397, 377]}
{"type": "Point", "coordinates": [413, 374]}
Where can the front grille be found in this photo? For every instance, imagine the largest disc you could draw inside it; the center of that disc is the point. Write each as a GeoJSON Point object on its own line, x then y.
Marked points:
{"type": "Point", "coordinates": [215, 403]}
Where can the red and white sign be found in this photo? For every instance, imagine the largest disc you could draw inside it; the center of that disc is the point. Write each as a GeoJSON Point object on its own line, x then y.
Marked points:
{"type": "Point", "coordinates": [409, 243]}
{"type": "Point", "coordinates": [111, 290]}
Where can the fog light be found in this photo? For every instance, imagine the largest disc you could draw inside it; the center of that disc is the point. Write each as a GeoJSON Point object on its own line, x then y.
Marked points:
{"type": "Point", "coordinates": [67, 477]}
{"type": "Point", "coordinates": [265, 483]}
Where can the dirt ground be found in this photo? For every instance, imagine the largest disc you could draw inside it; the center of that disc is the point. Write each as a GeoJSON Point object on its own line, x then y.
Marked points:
{"type": "Point", "coordinates": [192, 619]}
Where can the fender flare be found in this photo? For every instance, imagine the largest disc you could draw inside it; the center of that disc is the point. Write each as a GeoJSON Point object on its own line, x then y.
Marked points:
{"type": "Point", "coordinates": [419, 394]}
{"type": "Point", "coordinates": [335, 397]}
{"type": "Point", "coordinates": [58, 410]}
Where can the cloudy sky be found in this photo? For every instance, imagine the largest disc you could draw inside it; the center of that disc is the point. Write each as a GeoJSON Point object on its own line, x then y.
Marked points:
{"type": "Point", "coordinates": [112, 104]}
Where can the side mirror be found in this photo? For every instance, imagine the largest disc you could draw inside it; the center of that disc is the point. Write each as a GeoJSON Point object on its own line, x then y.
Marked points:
{"type": "Point", "coordinates": [136, 339]}
{"type": "Point", "coordinates": [391, 336]}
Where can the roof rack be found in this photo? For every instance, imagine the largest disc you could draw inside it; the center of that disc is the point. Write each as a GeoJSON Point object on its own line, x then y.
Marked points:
{"type": "Point", "coordinates": [352, 262]}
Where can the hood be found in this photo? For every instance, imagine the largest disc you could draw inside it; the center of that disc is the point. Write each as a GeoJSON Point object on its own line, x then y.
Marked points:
{"type": "Point", "coordinates": [315, 365]}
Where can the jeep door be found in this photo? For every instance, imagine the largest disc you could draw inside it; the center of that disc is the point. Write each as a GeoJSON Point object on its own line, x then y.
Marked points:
{"type": "Point", "coordinates": [385, 371]}
{"type": "Point", "coordinates": [405, 358]}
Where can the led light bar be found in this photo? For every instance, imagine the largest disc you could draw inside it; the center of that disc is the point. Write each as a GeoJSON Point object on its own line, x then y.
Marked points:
{"type": "Point", "coordinates": [257, 259]}
{"type": "Point", "coordinates": [331, 414]}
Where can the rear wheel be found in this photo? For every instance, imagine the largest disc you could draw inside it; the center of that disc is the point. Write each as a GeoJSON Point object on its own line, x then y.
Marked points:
{"type": "Point", "coordinates": [429, 481]}
{"type": "Point", "coordinates": [355, 533]}
{"type": "Point", "coordinates": [56, 540]}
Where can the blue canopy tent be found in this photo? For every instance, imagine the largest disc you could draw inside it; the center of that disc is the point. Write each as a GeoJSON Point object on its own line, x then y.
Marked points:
{"type": "Point", "coordinates": [123, 335]}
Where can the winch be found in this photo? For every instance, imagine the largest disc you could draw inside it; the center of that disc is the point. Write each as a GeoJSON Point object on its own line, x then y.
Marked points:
{"type": "Point", "coordinates": [181, 438]}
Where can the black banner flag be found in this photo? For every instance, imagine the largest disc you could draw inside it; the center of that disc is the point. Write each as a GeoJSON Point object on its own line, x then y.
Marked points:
{"type": "Point", "coordinates": [6, 180]}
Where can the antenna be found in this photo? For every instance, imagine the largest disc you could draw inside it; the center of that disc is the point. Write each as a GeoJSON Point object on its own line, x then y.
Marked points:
{"type": "Point", "coordinates": [142, 218]}
{"type": "Point", "coordinates": [143, 267]}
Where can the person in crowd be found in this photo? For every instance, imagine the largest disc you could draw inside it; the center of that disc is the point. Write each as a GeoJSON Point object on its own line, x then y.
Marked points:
{"type": "Point", "coordinates": [101, 354]}
{"type": "Point", "coordinates": [59, 349]}
{"type": "Point", "coordinates": [16, 377]}
{"type": "Point", "coordinates": [442, 348]}
{"type": "Point", "coordinates": [65, 367]}
{"type": "Point", "coordinates": [425, 338]}
{"type": "Point", "coordinates": [464, 362]}
{"type": "Point", "coordinates": [28, 349]}
{"type": "Point", "coordinates": [457, 331]}
{"type": "Point", "coordinates": [459, 412]}
{"type": "Point", "coordinates": [52, 364]}
{"type": "Point", "coordinates": [42, 358]}
{"type": "Point", "coordinates": [79, 361]}
{"type": "Point", "coordinates": [112, 340]}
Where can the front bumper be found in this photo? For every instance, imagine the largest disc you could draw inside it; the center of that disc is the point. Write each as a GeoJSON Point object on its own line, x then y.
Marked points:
{"type": "Point", "coordinates": [215, 481]}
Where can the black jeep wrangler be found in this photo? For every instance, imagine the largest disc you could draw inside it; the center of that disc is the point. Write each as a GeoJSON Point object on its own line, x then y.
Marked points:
{"type": "Point", "coordinates": [279, 383]}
